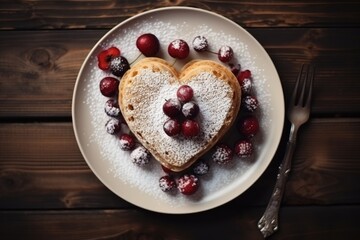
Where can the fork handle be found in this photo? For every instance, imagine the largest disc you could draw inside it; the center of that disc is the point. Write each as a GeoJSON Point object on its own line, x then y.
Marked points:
{"type": "Point", "coordinates": [268, 223]}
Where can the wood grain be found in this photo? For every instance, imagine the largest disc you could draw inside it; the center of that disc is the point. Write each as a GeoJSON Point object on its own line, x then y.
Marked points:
{"type": "Point", "coordinates": [311, 223]}
{"type": "Point", "coordinates": [107, 13]}
{"type": "Point", "coordinates": [41, 167]}
{"type": "Point", "coordinates": [37, 77]}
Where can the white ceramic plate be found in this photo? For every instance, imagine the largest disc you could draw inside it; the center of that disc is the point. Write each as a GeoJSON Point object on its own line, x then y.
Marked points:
{"type": "Point", "coordinates": [139, 185]}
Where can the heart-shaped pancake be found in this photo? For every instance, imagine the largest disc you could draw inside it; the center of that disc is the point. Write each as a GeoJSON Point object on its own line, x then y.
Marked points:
{"type": "Point", "coordinates": [143, 91]}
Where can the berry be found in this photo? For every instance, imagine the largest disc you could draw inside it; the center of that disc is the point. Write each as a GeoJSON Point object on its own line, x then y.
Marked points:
{"type": "Point", "coordinates": [244, 74]}
{"type": "Point", "coordinates": [109, 86]}
{"type": "Point", "coordinates": [250, 103]}
{"type": "Point", "coordinates": [188, 184]}
{"type": "Point", "coordinates": [225, 53]}
{"type": "Point", "coordinates": [223, 154]}
{"type": "Point", "coordinates": [113, 126]}
{"type": "Point", "coordinates": [201, 168]}
{"type": "Point", "coordinates": [200, 44]}
{"type": "Point", "coordinates": [127, 142]}
{"type": "Point", "coordinates": [119, 65]}
{"type": "Point", "coordinates": [167, 183]}
{"type": "Point", "coordinates": [235, 68]}
{"type": "Point", "coordinates": [148, 44]}
{"type": "Point", "coordinates": [172, 127]}
{"type": "Point", "coordinates": [248, 126]}
{"type": "Point", "coordinates": [112, 108]}
{"type": "Point", "coordinates": [244, 148]}
{"type": "Point", "coordinates": [185, 93]}
{"type": "Point", "coordinates": [190, 128]}
{"type": "Point", "coordinates": [140, 156]}
{"type": "Point", "coordinates": [105, 57]}
{"type": "Point", "coordinates": [244, 79]}
{"type": "Point", "coordinates": [190, 110]}
{"type": "Point", "coordinates": [172, 108]}
{"type": "Point", "coordinates": [178, 49]}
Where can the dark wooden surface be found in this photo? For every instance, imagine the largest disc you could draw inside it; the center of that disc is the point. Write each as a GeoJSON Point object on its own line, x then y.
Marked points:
{"type": "Point", "coordinates": [47, 191]}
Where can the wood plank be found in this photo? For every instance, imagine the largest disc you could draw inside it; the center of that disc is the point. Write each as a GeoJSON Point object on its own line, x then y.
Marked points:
{"type": "Point", "coordinates": [36, 14]}
{"type": "Point", "coordinates": [36, 172]}
{"type": "Point", "coordinates": [311, 223]}
{"type": "Point", "coordinates": [37, 77]}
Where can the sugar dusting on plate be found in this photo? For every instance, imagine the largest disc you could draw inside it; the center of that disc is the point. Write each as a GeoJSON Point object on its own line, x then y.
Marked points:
{"type": "Point", "coordinates": [146, 178]}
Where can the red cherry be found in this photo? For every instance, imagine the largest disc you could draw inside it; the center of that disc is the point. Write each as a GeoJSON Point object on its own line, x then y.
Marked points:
{"type": "Point", "coordinates": [200, 44]}
{"type": "Point", "coordinates": [190, 128]}
{"type": "Point", "coordinates": [105, 57]}
{"type": "Point", "coordinates": [167, 183]}
{"type": "Point", "coordinates": [188, 184]}
{"type": "Point", "coordinates": [223, 154]}
{"type": "Point", "coordinates": [172, 127]}
{"type": "Point", "coordinates": [244, 148]}
{"type": "Point", "coordinates": [225, 53]}
{"type": "Point", "coordinates": [109, 86]}
{"type": "Point", "coordinates": [127, 142]}
{"type": "Point", "coordinates": [178, 49]}
{"type": "Point", "coordinates": [190, 110]}
{"type": "Point", "coordinates": [148, 44]}
{"type": "Point", "coordinates": [172, 108]}
{"type": "Point", "coordinates": [248, 126]}
{"type": "Point", "coordinates": [185, 93]}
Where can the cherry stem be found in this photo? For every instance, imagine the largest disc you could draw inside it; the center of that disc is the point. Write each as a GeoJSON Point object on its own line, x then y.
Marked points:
{"type": "Point", "coordinates": [135, 59]}
{"type": "Point", "coordinates": [174, 62]}
{"type": "Point", "coordinates": [211, 52]}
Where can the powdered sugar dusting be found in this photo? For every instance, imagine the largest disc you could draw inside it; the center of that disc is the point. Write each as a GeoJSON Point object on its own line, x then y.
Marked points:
{"type": "Point", "coordinates": [146, 178]}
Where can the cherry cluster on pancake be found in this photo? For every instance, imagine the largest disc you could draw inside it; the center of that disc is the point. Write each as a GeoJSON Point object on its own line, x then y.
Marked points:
{"type": "Point", "coordinates": [182, 112]}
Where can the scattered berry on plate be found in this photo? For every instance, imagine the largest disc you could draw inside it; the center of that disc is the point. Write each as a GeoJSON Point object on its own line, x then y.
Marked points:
{"type": "Point", "coordinates": [201, 168]}
{"type": "Point", "coordinates": [119, 65]}
{"type": "Point", "coordinates": [190, 128]}
{"type": "Point", "coordinates": [109, 86]}
{"type": "Point", "coordinates": [235, 68]}
{"type": "Point", "coordinates": [140, 156]}
{"type": "Point", "coordinates": [190, 110]}
{"type": "Point", "coordinates": [172, 127]}
{"type": "Point", "coordinates": [112, 108]}
{"type": "Point", "coordinates": [172, 108]}
{"type": "Point", "coordinates": [148, 44]}
{"type": "Point", "coordinates": [188, 184]}
{"type": "Point", "coordinates": [248, 126]}
{"type": "Point", "coordinates": [200, 44]}
{"type": "Point", "coordinates": [244, 79]}
{"type": "Point", "coordinates": [167, 183]}
{"type": "Point", "coordinates": [113, 126]}
{"type": "Point", "coordinates": [127, 142]}
{"type": "Point", "coordinates": [222, 154]}
{"type": "Point", "coordinates": [105, 57]}
{"type": "Point", "coordinates": [244, 148]}
{"type": "Point", "coordinates": [225, 53]}
{"type": "Point", "coordinates": [178, 49]}
{"type": "Point", "coordinates": [249, 103]}
{"type": "Point", "coordinates": [185, 93]}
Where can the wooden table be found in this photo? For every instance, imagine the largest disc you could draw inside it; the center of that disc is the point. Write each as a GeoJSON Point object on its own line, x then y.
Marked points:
{"type": "Point", "coordinates": [47, 191]}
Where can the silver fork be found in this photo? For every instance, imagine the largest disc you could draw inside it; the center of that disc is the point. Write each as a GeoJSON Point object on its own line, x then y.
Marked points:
{"type": "Point", "coordinates": [298, 112]}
